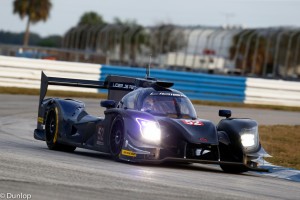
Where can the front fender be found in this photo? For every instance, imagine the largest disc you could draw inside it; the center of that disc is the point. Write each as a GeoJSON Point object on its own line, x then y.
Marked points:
{"type": "Point", "coordinates": [233, 128]}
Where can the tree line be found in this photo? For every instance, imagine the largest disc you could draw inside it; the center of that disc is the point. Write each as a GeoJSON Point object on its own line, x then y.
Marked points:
{"type": "Point", "coordinates": [7, 37]}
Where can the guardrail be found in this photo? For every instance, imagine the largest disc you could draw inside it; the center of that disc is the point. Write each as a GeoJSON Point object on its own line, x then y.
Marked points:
{"type": "Point", "coordinates": [25, 73]}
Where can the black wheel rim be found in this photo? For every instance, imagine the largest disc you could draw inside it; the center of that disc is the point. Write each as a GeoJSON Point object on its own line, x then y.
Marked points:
{"type": "Point", "coordinates": [116, 139]}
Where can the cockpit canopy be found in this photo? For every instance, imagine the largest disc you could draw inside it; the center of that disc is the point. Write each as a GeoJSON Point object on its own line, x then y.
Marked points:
{"type": "Point", "coordinates": [170, 103]}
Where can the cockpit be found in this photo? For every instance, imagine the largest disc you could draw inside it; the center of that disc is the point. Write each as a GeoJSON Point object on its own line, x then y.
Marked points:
{"type": "Point", "coordinates": [169, 104]}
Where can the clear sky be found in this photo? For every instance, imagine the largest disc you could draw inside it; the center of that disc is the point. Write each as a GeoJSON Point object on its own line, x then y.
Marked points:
{"type": "Point", "coordinates": [249, 13]}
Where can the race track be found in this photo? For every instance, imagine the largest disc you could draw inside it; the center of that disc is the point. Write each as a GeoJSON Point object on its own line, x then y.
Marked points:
{"type": "Point", "coordinates": [28, 167]}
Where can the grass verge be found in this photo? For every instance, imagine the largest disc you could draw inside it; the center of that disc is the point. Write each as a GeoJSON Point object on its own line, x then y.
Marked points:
{"type": "Point", "coordinates": [282, 142]}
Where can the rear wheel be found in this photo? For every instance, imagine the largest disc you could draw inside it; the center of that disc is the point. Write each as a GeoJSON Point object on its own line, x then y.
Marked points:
{"type": "Point", "coordinates": [116, 138]}
{"type": "Point", "coordinates": [52, 128]}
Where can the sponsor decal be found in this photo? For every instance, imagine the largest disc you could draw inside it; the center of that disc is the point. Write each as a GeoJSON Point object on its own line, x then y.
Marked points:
{"type": "Point", "coordinates": [123, 86]}
{"type": "Point", "coordinates": [40, 120]}
{"type": "Point", "coordinates": [192, 122]}
{"type": "Point", "coordinates": [166, 94]}
{"type": "Point", "coordinates": [128, 153]}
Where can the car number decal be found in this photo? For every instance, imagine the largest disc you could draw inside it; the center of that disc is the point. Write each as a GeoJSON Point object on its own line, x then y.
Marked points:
{"type": "Point", "coordinates": [192, 122]}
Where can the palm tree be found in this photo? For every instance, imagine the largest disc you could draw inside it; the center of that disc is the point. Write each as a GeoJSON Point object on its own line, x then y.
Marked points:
{"type": "Point", "coordinates": [91, 18]}
{"type": "Point", "coordinates": [34, 10]}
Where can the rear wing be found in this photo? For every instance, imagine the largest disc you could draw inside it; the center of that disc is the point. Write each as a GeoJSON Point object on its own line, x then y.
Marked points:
{"type": "Point", "coordinates": [117, 86]}
{"type": "Point", "coordinates": [45, 81]}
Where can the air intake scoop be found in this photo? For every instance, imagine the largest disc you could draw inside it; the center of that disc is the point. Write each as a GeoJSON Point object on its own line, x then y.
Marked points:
{"type": "Point", "coordinates": [164, 84]}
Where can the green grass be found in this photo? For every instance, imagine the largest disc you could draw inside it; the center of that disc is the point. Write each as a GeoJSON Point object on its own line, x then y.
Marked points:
{"type": "Point", "coordinates": [282, 142]}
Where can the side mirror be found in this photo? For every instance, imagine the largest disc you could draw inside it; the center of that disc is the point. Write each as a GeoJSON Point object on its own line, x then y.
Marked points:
{"type": "Point", "coordinates": [225, 113]}
{"type": "Point", "coordinates": [108, 104]}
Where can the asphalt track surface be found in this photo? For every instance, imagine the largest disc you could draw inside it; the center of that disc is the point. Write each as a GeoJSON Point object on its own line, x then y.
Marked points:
{"type": "Point", "coordinates": [28, 167]}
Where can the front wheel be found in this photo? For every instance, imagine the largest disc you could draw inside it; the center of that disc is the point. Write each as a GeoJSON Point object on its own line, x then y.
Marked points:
{"type": "Point", "coordinates": [228, 155]}
{"type": "Point", "coordinates": [52, 130]}
{"type": "Point", "coordinates": [234, 169]}
{"type": "Point", "coordinates": [116, 138]}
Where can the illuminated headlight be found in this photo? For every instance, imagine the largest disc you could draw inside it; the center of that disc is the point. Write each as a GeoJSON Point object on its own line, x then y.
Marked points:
{"type": "Point", "coordinates": [249, 137]}
{"type": "Point", "coordinates": [149, 129]}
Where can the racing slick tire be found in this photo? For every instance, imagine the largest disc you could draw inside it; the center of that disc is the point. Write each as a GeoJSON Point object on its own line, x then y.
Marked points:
{"type": "Point", "coordinates": [116, 138]}
{"type": "Point", "coordinates": [233, 169]}
{"type": "Point", "coordinates": [227, 155]}
{"type": "Point", "coordinates": [51, 130]}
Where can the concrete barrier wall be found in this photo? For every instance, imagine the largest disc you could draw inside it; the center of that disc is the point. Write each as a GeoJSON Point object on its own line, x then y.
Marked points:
{"type": "Point", "coordinates": [25, 73]}
{"type": "Point", "coordinates": [272, 92]}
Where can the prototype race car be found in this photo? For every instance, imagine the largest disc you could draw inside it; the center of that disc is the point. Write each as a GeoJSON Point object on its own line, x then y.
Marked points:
{"type": "Point", "coordinates": [146, 121]}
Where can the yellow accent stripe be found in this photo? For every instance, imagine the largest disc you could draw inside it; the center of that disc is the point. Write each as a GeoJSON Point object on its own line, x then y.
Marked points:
{"type": "Point", "coordinates": [40, 120]}
{"type": "Point", "coordinates": [128, 153]}
{"type": "Point", "coordinates": [56, 128]}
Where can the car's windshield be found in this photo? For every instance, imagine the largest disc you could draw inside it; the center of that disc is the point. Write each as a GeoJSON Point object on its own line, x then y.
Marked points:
{"type": "Point", "coordinates": [168, 104]}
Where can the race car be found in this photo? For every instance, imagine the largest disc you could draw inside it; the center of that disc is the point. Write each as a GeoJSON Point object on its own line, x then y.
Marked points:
{"type": "Point", "coordinates": [146, 121]}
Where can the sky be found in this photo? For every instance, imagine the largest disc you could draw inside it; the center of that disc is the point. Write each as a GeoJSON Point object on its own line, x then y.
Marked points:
{"type": "Point", "coordinates": [248, 13]}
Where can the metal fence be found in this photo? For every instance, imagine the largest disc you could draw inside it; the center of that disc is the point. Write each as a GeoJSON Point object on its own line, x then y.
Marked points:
{"type": "Point", "coordinates": [265, 52]}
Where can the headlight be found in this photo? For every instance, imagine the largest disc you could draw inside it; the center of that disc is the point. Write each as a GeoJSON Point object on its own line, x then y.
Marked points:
{"type": "Point", "coordinates": [149, 129]}
{"type": "Point", "coordinates": [249, 137]}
